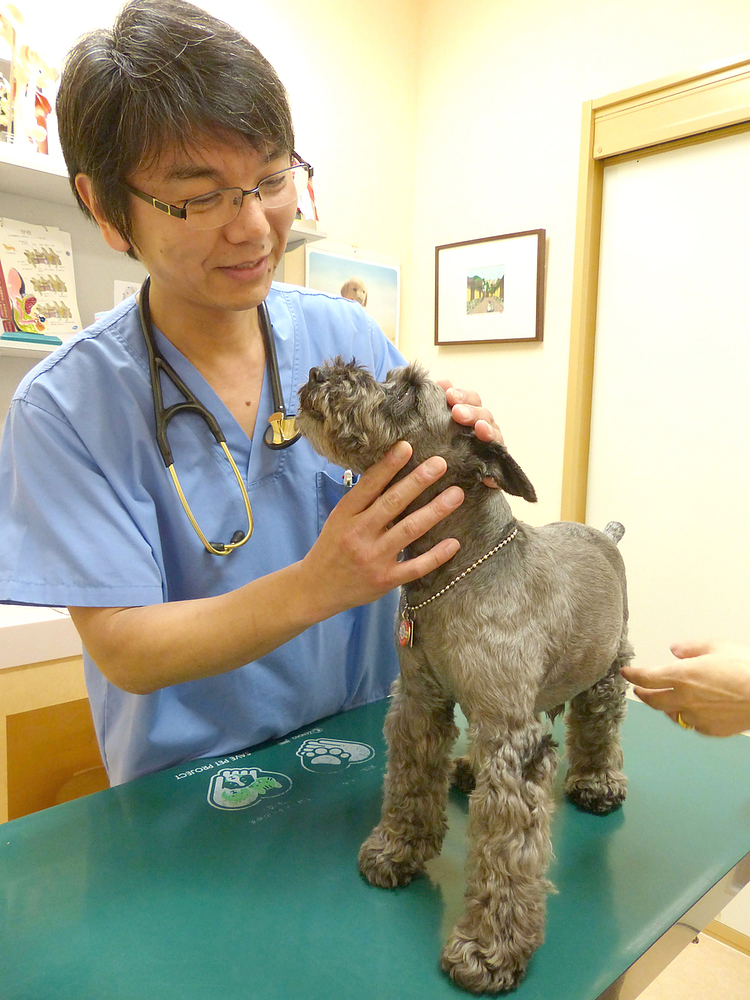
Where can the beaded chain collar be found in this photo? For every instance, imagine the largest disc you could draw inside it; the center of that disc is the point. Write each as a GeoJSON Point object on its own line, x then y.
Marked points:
{"type": "Point", "coordinates": [406, 626]}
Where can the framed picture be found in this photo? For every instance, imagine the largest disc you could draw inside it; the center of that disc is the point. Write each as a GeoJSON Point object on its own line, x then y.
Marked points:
{"type": "Point", "coordinates": [376, 285]}
{"type": "Point", "coordinates": [490, 291]}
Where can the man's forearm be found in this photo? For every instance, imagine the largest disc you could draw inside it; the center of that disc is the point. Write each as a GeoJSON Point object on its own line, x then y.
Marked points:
{"type": "Point", "coordinates": [143, 649]}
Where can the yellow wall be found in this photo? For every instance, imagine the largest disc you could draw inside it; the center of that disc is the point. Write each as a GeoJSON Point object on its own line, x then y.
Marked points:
{"type": "Point", "coordinates": [502, 83]}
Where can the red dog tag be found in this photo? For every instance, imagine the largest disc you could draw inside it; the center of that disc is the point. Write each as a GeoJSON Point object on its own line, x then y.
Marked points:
{"type": "Point", "coordinates": [405, 631]}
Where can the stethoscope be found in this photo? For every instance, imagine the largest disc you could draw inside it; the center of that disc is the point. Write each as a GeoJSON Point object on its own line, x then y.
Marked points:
{"type": "Point", "coordinates": [280, 433]}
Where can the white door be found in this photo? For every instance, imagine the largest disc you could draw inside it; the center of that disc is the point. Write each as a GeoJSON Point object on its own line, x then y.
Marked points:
{"type": "Point", "coordinates": [670, 448]}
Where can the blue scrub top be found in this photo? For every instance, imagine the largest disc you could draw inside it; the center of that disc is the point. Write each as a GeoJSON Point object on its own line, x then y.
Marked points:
{"type": "Point", "coordinates": [90, 517]}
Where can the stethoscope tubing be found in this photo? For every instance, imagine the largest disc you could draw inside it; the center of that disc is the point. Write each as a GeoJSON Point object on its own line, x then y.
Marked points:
{"type": "Point", "coordinates": [282, 429]}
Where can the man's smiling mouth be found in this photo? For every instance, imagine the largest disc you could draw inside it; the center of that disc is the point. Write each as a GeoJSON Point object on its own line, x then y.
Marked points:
{"type": "Point", "coordinates": [246, 264]}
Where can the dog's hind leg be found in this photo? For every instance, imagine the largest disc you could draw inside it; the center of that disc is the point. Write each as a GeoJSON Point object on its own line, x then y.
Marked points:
{"type": "Point", "coordinates": [462, 775]}
{"type": "Point", "coordinates": [509, 812]}
{"type": "Point", "coordinates": [420, 732]}
{"type": "Point", "coordinates": [595, 781]}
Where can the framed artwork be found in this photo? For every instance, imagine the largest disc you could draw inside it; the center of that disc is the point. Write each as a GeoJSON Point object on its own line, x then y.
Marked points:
{"type": "Point", "coordinates": [376, 285]}
{"type": "Point", "coordinates": [490, 291]}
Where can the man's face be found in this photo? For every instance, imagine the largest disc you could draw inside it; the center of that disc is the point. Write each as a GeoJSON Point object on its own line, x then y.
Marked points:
{"type": "Point", "coordinates": [211, 274]}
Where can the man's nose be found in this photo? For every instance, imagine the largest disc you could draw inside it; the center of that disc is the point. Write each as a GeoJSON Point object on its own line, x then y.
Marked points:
{"type": "Point", "coordinates": [251, 222]}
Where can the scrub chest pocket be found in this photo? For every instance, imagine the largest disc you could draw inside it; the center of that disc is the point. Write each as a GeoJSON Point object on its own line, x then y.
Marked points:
{"type": "Point", "coordinates": [332, 484]}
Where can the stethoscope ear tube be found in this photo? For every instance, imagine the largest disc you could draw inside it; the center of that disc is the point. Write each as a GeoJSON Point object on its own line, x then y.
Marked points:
{"type": "Point", "coordinates": [158, 364]}
{"type": "Point", "coordinates": [282, 429]}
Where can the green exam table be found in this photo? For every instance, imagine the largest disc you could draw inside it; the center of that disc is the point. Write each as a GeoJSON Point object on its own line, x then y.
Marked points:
{"type": "Point", "coordinates": [236, 878]}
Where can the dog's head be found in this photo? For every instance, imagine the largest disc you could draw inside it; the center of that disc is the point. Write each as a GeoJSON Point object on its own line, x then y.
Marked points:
{"type": "Point", "coordinates": [355, 289]}
{"type": "Point", "coordinates": [353, 420]}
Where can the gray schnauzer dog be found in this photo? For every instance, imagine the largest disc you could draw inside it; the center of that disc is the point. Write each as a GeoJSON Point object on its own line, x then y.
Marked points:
{"type": "Point", "coordinates": [521, 621]}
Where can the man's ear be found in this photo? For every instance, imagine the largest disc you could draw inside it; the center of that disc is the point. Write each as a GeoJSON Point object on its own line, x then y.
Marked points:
{"type": "Point", "coordinates": [112, 238]}
{"type": "Point", "coordinates": [497, 463]}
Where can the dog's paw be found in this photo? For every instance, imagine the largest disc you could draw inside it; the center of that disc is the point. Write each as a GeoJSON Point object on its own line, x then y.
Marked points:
{"type": "Point", "coordinates": [387, 862]}
{"type": "Point", "coordinates": [480, 969]}
{"type": "Point", "coordinates": [462, 775]}
{"type": "Point", "coordinates": [597, 793]}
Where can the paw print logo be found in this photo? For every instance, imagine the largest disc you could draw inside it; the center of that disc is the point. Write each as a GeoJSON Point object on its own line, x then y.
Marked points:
{"type": "Point", "coordinates": [243, 787]}
{"type": "Point", "coordinates": [332, 755]}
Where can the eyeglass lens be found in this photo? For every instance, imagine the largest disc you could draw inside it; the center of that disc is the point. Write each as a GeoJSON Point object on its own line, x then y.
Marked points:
{"type": "Point", "coordinates": [217, 208]}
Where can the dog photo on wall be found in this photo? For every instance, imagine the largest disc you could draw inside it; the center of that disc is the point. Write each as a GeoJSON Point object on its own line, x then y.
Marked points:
{"type": "Point", "coordinates": [521, 623]}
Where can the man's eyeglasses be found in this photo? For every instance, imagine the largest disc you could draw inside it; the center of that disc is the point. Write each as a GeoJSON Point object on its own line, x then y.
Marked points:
{"type": "Point", "coordinates": [218, 208]}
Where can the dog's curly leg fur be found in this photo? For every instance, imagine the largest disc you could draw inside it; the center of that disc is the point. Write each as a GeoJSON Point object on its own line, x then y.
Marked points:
{"type": "Point", "coordinates": [595, 782]}
{"type": "Point", "coordinates": [413, 821]}
{"type": "Point", "coordinates": [462, 775]}
{"type": "Point", "coordinates": [509, 810]}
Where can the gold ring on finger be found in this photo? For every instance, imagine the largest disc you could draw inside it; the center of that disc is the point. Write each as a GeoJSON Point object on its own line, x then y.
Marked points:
{"type": "Point", "coordinates": [681, 722]}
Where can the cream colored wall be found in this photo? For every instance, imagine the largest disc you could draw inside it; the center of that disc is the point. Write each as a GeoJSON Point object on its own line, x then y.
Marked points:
{"type": "Point", "coordinates": [464, 120]}
{"type": "Point", "coordinates": [500, 96]}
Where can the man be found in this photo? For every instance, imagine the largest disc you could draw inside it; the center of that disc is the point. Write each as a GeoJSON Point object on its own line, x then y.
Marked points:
{"type": "Point", "coordinates": [179, 143]}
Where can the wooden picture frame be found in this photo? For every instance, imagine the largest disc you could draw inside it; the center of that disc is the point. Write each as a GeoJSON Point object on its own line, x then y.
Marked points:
{"type": "Point", "coordinates": [491, 290]}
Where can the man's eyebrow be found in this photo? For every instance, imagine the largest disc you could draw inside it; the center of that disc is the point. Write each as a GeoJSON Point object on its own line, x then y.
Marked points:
{"type": "Point", "coordinates": [188, 171]}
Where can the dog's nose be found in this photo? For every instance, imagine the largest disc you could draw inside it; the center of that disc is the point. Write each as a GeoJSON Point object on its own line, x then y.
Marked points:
{"type": "Point", "coordinates": [315, 375]}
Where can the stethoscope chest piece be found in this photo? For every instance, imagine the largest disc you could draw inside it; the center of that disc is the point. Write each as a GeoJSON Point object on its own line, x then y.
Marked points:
{"type": "Point", "coordinates": [281, 431]}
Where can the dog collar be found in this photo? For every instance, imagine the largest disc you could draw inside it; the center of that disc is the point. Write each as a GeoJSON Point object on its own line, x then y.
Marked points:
{"type": "Point", "coordinates": [406, 625]}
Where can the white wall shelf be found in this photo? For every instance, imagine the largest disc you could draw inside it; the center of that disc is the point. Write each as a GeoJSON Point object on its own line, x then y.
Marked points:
{"type": "Point", "coordinates": [303, 232]}
{"type": "Point", "coordinates": [22, 349]}
{"type": "Point", "coordinates": [33, 175]}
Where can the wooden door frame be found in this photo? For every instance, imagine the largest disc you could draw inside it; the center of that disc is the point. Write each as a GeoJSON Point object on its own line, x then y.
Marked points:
{"type": "Point", "coordinates": [652, 118]}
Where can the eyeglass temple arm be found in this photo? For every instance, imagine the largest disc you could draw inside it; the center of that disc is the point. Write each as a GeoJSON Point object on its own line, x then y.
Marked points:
{"type": "Point", "coordinates": [162, 206]}
{"type": "Point", "coordinates": [302, 163]}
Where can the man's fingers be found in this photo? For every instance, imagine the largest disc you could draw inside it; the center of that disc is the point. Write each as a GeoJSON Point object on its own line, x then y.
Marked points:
{"type": "Point", "coordinates": [397, 498]}
{"type": "Point", "coordinates": [420, 521]}
{"type": "Point", "coordinates": [374, 480]}
{"type": "Point", "coordinates": [480, 418]}
{"type": "Point", "coordinates": [413, 569]}
{"type": "Point", "coordinates": [379, 509]}
{"type": "Point", "coordinates": [454, 395]}
{"type": "Point", "coordinates": [467, 409]}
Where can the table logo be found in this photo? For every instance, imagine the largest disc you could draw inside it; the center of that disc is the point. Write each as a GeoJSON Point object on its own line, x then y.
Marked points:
{"type": "Point", "coordinates": [243, 787]}
{"type": "Point", "coordinates": [332, 755]}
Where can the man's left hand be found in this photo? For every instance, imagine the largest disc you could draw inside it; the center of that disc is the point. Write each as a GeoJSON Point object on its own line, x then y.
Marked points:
{"type": "Point", "coordinates": [466, 408]}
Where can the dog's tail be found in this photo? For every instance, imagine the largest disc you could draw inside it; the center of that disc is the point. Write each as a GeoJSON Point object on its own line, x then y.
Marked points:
{"type": "Point", "coordinates": [615, 530]}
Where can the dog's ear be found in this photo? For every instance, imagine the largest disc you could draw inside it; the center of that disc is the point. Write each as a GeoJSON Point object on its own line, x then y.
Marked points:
{"type": "Point", "coordinates": [497, 463]}
{"type": "Point", "coordinates": [404, 384]}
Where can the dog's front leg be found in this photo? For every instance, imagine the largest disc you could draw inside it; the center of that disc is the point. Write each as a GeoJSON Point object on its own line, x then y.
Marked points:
{"type": "Point", "coordinates": [509, 813]}
{"type": "Point", "coordinates": [420, 732]}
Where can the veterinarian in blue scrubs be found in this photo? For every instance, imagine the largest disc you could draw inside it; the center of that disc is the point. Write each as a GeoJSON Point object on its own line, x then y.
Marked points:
{"type": "Point", "coordinates": [196, 649]}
